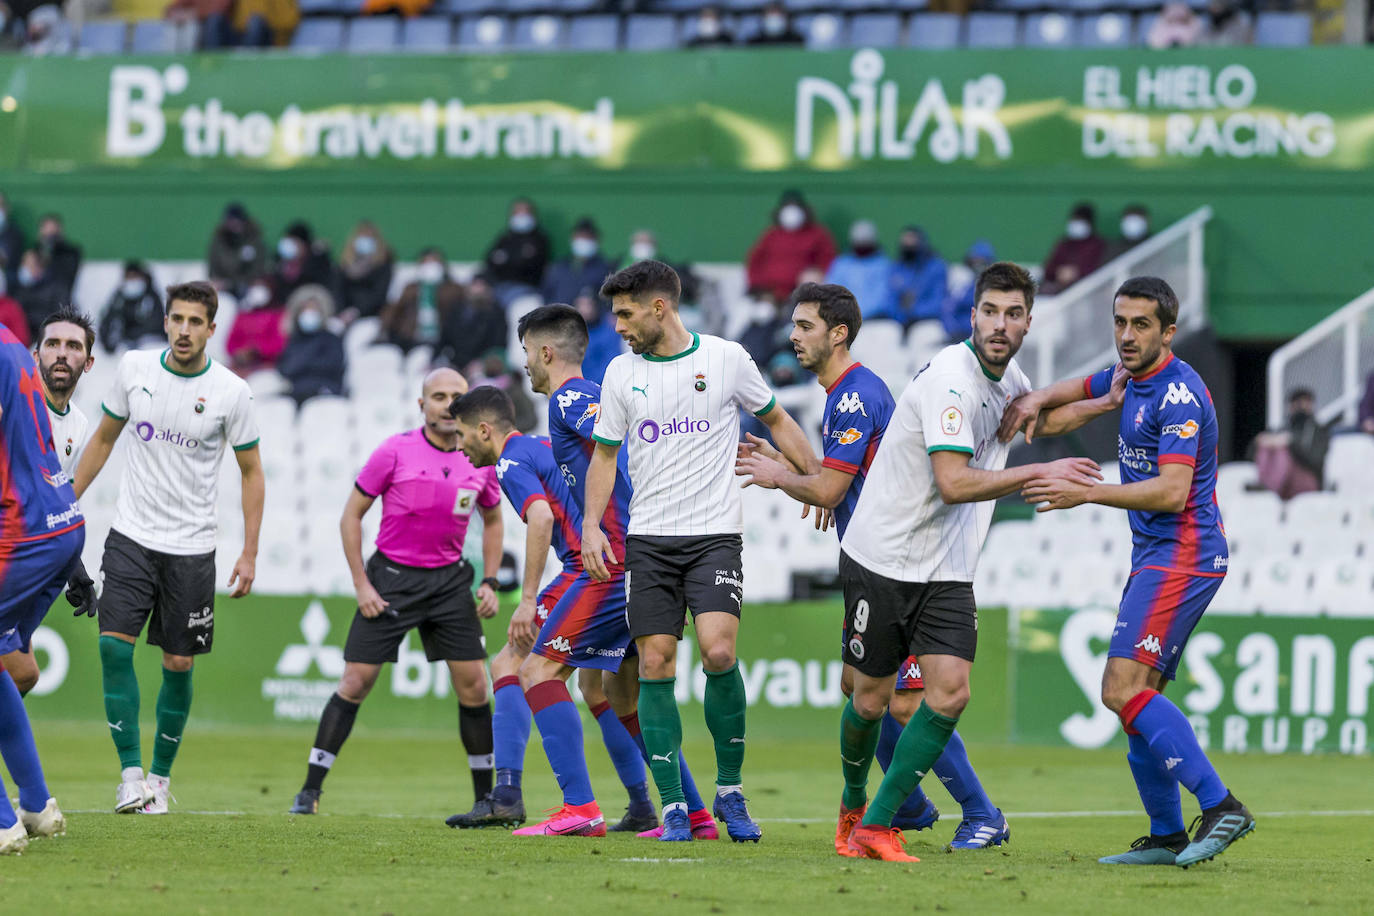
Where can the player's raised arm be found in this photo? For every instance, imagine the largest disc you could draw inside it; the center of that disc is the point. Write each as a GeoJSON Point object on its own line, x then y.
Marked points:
{"type": "Point", "coordinates": [596, 547]}
{"type": "Point", "coordinates": [1025, 411]}
{"type": "Point", "coordinates": [790, 439]}
{"type": "Point", "coordinates": [959, 483]}
{"type": "Point", "coordinates": [97, 451]}
{"type": "Point", "coordinates": [254, 494]}
{"type": "Point", "coordinates": [1167, 492]}
{"type": "Point", "coordinates": [538, 540]}
{"type": "Point", "coordinates": [825, 488]}
{"type": "Point", "coordinates": [1069, 417]}
{"type": "Point", "coordinates": [370, 603]}
{"type": "Point", "coordinates": [493, 533]}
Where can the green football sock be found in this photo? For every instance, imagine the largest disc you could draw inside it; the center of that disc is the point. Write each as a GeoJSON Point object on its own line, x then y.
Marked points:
{"type": "Point", "coordinates": [173, 705]}
{"type": "Point", "coordinates": [725, 706]}
{"type": "Point", "coordinates": [661, 727]}
{"type": "Point", "coordinates": [120, 686]}
{"type": "Point", "coordinates": [922, 742]}
{"type": "Point", "coordinates": [858, 741]}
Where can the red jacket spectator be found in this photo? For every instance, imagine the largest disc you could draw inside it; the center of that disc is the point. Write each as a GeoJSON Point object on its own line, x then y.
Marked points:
{"type": "Point", "coordinates": [794, 243]}
{"type": "Point", "coordinates": [12, 316]}
{"type": "Point", "coordinates": [256, 339]}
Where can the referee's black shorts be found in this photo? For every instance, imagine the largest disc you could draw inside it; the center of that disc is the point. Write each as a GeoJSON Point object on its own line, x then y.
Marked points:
{"type": "Point", "coordinates": [667, 576]}
{"type": "Point", "coordinates": [436, 601]}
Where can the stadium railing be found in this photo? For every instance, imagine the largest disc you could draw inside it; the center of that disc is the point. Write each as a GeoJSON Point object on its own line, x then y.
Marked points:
{"type": "Point", "coordinates": [1332, 359]}
{"type": "Point", "coordinates": [1070, 328]}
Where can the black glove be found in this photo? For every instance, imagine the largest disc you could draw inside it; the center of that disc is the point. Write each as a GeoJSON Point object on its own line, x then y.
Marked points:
{"type": "Point", "coordinates": [81, 591]}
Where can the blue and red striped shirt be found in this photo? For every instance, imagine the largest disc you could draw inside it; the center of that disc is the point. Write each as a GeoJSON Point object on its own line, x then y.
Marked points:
{"type": "Point", "coordinates": [858, 407]}
{"type": "Point", "coordinates": [1168, 418]}
{"type": "Point", "coordinates": [528, 474]}
{"type": "Point", "coordinates": [573, 409]}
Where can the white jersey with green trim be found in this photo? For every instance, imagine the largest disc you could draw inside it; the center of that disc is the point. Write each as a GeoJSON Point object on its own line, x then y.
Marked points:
{"type": "Point", "coordinates": [178, 427]}
{"type": "Point", "coordinates": [68, 435]}
{"type": "Point", "coordinates": [901, 528]}
{"type": "Point", "coordinates": [678, 416]}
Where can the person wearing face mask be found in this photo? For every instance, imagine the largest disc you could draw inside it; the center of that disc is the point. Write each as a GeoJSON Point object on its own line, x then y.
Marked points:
{"type": "Point", "coordinates": [133, 317]}
{"type": "Point", "coordinates": [918, 282]}
{"type": "Point", "coordinates": [1228, 24]}
{"type": "Point", "coordinates": [863, 269]}
{"type": "Point", "coordinates": [775, 28]}
{"type": "Point", "coordinates": [1290, 461]}
{"type": "Point", "coordinates": [473, 328]}
{"type": "Point", "coordinates": [418, 314]}
{"type": "Point", "coordinates": [957, 310]}
{"type": "Point", "coordinates": [584, 269]}
{"type": "Point", "coordinates": [794, 243]}
{"type": "Point", "coordinates": [365, 269]}
{"type": "Point", "coordinates": [63, 257]}
{"type": "Point", "coordinates": [516, 261]}
{"type": "Point", "coordinates": [711, 31]}
{"type": "Point", "coordinates": [11, 242]}
{"type": "Point", "coordinates": [644, 247]}
{"type": "Point", "coordinates": [256, 338]}
{"type": "Point", "coordinates": [1135, 228]}
{"type": "Point", "coordinates": [300, 261]}
{"type": "Point", "coordinates": [37, 290]}
{"type": "Point", "coordinates": [236, 254]}
{"type": "Point", "coordinates": [313, 360]}
{"type": "Point", "coordinates": [1078, 252]}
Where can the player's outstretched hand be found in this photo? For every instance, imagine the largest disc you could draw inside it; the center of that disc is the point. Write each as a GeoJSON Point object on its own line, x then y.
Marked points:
{"type": "Point", "coordinates": [487, 605]}
{"type": "Point", "coordinates": [81, 591]}
{"type": "Point", "coordinates": [245, 571]}
{"type": "Point", "coordinates": [370, 602]}
{"type": "Point", "coordinates": [597, 553]}
{"type": "Point", "coordinates": [759, 471]}
{"type": "Point", "coordinates": [1118, 390]}
{"type": "Point", "coordinates": [825, 518]}
{"type": "Point", "coordinates": [761, 447]}
{"type": "Point", "coordinates": [1022, 413]}
{"type": "Point", "coordinates": [1082, 471]}
{"type": "Point", "coordinates": [522, 630]}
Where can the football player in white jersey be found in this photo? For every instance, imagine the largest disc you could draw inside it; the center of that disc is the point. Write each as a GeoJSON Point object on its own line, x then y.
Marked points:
{"type": "Point", "coordinates": [911, 547]}
{"type": "Point", "coordinates": [674, 404]}
{"type": "Point", "coordinates": [183, 411]}
{"type": "Point", "coordinates": [63, 351]}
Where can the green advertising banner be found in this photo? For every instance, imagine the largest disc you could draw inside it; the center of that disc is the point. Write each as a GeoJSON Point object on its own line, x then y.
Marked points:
{"type": "Point", "coordinates": [278, 660]}
{"type": "Point", "coordinates": [1247, 683]}
{"type": "Point", "coordinates": [896, 111]}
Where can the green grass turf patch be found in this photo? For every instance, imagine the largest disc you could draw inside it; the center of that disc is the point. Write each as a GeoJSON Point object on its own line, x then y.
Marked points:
{"type": "Point", "coordinates": [380, 845]}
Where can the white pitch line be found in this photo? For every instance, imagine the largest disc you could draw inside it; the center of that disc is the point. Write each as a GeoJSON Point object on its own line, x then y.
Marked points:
{"type": "Point", "coordinates": [1357, 812]}
{"type": "Point", "coordinates": [644, 859]}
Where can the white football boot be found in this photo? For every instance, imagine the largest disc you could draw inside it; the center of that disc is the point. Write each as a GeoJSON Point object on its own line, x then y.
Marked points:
{"type": "Point", "coordinates": [13, 839]}
{"type": "Point", "coordinates": [133, 792]}
{"type": "Point", "coordinates": [48, 822]}
{"type": "Point", "coordinates": [161, 789]}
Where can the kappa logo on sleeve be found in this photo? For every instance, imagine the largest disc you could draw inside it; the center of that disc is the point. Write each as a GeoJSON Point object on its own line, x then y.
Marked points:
{"type": "Point", "coordinates": [850, 402]}
{"type": "Point", "coordinates": [951, 421]}
{"type": "Point", "coordinates": [1178, 393]}
{"type": "Point", "coordinates": [504, 465]}
{"type": "Point", "coordinates": [567, 398]}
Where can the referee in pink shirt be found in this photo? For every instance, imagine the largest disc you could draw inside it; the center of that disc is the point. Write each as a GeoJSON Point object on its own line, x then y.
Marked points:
{"type": "Point", "coordinates": [418, 579]}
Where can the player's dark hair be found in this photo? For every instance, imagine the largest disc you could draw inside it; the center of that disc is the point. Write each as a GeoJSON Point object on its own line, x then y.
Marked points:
{"type": "Point", "coordinates": [484, 403]}
{"type": "Point", "coordinates": [835, 304]}
{"type": "Point", "coordinates": [564, 326]}
{"type": "Point", "coordinates": [198, 291]}
{"type": "Point", "coordinates": [1165, 300]}
{"type": "Point", "coordinates": [641, 280]}
{"type": "Point", "coordinates": [1005, 277]}
{"type": "Point", "coordinates": [70, 315]}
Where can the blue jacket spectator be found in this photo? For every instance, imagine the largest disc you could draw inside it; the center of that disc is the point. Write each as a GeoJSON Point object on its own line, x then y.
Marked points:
{"type": "Point", "coordinates": [313, 360]}
{"type": "Point", "coordinates": [957, 315]}
{"type": "Point", "coordinates": [864, 270]}
{"type": "Point", "coordinates": [919, 281]}
{"type": "Point", "coordinates": [582, 273]}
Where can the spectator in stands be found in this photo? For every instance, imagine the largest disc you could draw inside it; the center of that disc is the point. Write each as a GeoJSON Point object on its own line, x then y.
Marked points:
{"type": "Point", "coordinates": [313, 359]}
{"type": "Point", "coordinates": [1228, 23]}
{"type": "Point", "coordinates": [1365, 420]}
{"type": "Point", "coordinates": [770, 323]}
{"type": "Point", "coordinates": [10, 39]}
{"type": "Point", "coordinates": [1135, 228]}
{"type": "Point", "coordinates": [62, 256]}
{"type": "Point", "coordinates": [365, 269]}
{"type": "Point", "coordinates": [300, 261]}
{"type": "Point", "coordinates": [11, 242]}
{"type": "Point", "coordinates": [398, 7]}
{"type": "Point", "coordinates": [776, 29]}
{"type": "Point", "coordinates": [711, 31]}
{"type": "Point", "coordinates": [792, 244]}
{"type": "Point", "coordinates": [12, 313]}
{"type": "Point", "coordinates": [1078, 252]}
{"type": "Point", "coordinates": [475, 327]}
{"type": "Point", "coordinates": [48, 32]}
{"type": "Point", "coordinates": [219, 27]}
{"type": "Point", "coordinates": [257, 336]}
{"type": "Point", "coordinates": [583, 271]}
{"type": "Point", "coordinates": [1177, 27]}
{"type": "Point", "coordinates": [497, 372]}
{"type": "Point", "coordinates": [516, 261]}
{"type": "Point", "coordinates": [919, 281]}
{"type": "Point", "coordinates": [956, 314]}
{"type": "Point", "coordinates": [37, 290]}
{"type": "Point", "coordinates": [132, 319]}
{"type": "Point", "coordinates": [418, 314]}
{"type": "Point", "coordinates": [644, 247]}
{"type": "Point", "coordinates": [236, 256]}
{"type": "Point", "coordinates": [1290, 462]}
{"type": "Point", "coordinates": [864, 269]}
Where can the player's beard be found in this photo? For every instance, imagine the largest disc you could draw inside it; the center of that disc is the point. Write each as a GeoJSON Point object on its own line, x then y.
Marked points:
{"type": "Point", "coordinates": [645, 341]}
{"type": "Point", "coordinates": [192, 358]}
{"type": "Point", "coordinates": [813, 359]}
{"type": "Point", "coordinates": [980, 344]}
{"type": "Point", "coordinates": [1145, 357]}
{"type": "Point", "coordinates": [60, 384]}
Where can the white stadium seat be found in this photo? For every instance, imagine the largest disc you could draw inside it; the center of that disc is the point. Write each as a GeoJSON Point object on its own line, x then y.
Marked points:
{"type": "Point", "coordinates": [1344, 587]}
{"type": "Point", "coordinates": [1348, 462]}
{"type": "Point", "coordinates": [1308, 511]}
{"type": "Point", "coordinates": [1281, 586]}
{"type": "Point", "coordinates": [1232, 478]}
{"type": "Point", "coordinates": [1233, 597]}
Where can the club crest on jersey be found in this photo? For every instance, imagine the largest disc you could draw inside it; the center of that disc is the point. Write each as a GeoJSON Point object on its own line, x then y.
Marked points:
{"type": "Point", "coordinates": [69, 447]}
{"type": "Point", "coordinates": [700, 382]}
{"type": "Point", "coordinates": [849, 436]}
{"type": "Point", "coordinates": [1140, 415]}
{"type": "Point", "coordinates": [200, 405]}
{"type": "Point", "coordinates": [951, 421]}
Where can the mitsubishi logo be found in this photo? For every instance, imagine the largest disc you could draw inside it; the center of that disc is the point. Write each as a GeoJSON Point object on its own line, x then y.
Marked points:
{"type": "Point", "coordinates": [296, 659]}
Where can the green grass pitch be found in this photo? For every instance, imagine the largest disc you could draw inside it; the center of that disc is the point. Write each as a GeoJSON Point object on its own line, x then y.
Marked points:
{"type": "Point", "coordinates": [381, 845]}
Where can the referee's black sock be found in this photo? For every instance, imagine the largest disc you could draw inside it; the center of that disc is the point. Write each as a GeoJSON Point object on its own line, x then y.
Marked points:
{"type": "Point", "coordinates": [474, 727]}
{"type": "Point", "coordinates": [335, 724]}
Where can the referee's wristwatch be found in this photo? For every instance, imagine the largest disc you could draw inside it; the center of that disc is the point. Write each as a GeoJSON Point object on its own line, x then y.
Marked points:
{"type": "Point", "coordinates": [491, 582]}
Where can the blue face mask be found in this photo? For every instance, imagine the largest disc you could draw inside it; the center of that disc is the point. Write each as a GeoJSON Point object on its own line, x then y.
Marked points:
{"type": "Point", "coordinates": [310, 321]}
{"type": "Point", "coordinates": [365, 246]}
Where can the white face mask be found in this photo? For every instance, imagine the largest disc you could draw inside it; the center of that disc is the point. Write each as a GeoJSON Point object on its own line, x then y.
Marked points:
{"type": "Point", "coordinates": [1079, 229]}
{"type": "Point", "coordinates": [791, 217]}
{"type": "Point", "coordinates": [256, 297]}
{"type": "Point", "coordinates": [26, 277]}
{"type": "Point", "coordinates": [133, 288]}
{"type": "Point", "coordinates": [431, 272]}
{"type": "Point", "coordinates": [583, 247]}
{"type": "Point", "coordinates": [643, 251]}
{"type": "Point", "coordinates": [310, 321]}
{"type": "Point", "coordinates": [521, 222]}
{"type": "Point", "coordinates": [288, 248]}
{"type": "Point", "coordinates": [774, 24]}
{"type": "Point", "coordinates": [708, 27]}
{"type": "Point", "coordinates": [365, 246]}
{"type": "Point", "coordinates": [1134, 226]}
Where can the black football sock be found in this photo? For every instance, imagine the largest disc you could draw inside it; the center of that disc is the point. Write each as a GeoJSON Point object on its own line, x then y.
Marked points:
{"type": "Point", "coordinates": [335, 724]}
